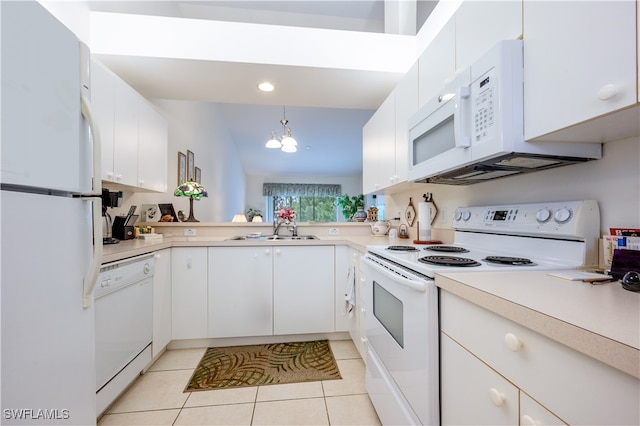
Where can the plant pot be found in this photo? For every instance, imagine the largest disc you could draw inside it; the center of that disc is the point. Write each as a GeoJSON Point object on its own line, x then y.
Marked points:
{"type": "Point", "coordinates": [360, 215]}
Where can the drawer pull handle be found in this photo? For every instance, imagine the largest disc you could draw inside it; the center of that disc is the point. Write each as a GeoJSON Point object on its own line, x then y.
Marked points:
{"type": "Point", "coordinates": [512, 342]}
{"type": "Point", "coordinates": [497, 397]}
{"type": "Point", "coordinates": [529, 421]}
{"type": "Point", "coordinates": [608, 91]}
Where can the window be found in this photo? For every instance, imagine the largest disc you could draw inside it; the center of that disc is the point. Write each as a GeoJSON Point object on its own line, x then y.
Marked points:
{"type": "Point", "coordinates": [308, 209]}
{"type": "Point", "coordinates": [311, 202]}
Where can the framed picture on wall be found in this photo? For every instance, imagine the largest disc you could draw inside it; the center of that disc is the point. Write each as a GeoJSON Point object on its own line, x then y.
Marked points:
{"type": "Point", "coordinates": [182, 168]}
{"type": "Point", "coordinates": [198, 175]}
{"type": "Point", "coordinates": [191, 165]}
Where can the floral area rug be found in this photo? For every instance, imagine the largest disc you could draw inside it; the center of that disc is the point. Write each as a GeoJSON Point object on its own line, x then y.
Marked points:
{"type": "Point", "coordinates": [268, 364]}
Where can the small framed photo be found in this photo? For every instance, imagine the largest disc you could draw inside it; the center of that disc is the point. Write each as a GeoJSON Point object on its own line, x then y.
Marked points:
{"type": "Point", "coordinates": [182, 168]}
{"type": "Point", "coordinates": [191, 166]}
{"type": "Point", "coordinates": [198, 175]}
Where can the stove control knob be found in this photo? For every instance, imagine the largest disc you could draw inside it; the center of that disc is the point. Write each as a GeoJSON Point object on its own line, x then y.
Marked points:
{"type": "Point", "coordinates": [562, 216]}
{"type": "Point", "coordinates": [458, 215]}
{"type": "Point", "coordinates": [543, 215]}
{"type": "Point", "coordinates": [466, 215]}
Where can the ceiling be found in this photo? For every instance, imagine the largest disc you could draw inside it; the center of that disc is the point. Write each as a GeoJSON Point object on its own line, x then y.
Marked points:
{"type": "Point", "coordinates": [326, 106]}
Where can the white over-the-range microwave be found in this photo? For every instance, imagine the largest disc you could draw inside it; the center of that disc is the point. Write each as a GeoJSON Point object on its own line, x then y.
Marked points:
{"type": "Point", "coordinates": [473, 130]}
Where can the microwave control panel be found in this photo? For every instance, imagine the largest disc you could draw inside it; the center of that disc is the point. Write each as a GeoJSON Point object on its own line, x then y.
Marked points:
{"type": "Point", "coordinates": [483, 98]}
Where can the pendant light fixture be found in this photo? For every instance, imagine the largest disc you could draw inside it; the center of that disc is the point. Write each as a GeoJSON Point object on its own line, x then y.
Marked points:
{"type": "Point", "coordinates": [286, 142]}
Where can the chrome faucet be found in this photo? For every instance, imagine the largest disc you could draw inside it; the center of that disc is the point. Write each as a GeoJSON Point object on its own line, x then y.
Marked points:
{"type": "Point", "coordinates": [276, 225]}
{"type": "Point", "coordinates": [291, 227]}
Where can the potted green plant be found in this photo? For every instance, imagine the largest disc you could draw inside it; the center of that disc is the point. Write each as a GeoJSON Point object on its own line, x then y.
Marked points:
{"type": "Point", "coordinates": [349, 205]}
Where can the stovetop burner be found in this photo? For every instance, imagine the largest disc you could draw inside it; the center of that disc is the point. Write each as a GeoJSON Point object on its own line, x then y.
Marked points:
{"type": "Point", "coordinates": [402, 248]}
{"type": "Point", "coordinates": [508, 260]}
{"type": "Point", "coordinates": [448, 261]}
{"type": "Point", "coordinates": [447, 249]}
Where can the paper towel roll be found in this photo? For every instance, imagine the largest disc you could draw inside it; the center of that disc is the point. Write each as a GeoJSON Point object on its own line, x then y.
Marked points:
{"type": "Point", "coordinates": [424, 221]}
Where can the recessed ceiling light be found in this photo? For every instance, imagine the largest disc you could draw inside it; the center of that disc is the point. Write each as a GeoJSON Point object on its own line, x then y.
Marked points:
{"type": "Point", "coordinates": [266, 87]}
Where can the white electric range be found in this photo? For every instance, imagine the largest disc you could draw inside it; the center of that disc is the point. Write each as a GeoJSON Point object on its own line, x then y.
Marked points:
{"type": "Point", "coordinates": [402, 301]}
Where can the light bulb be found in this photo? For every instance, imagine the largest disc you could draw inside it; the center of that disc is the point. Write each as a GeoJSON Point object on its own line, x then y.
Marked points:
{"type": "Point", "coordinates": [273, 142]}
{"type": "Point", "coordinates": [289, 148]}
{"type": "Point", "coordinates": [289, 141]}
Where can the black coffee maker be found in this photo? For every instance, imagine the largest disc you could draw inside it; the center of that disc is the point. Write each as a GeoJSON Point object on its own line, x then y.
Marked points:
{"type": "Point", "coordinates": [109, 199]}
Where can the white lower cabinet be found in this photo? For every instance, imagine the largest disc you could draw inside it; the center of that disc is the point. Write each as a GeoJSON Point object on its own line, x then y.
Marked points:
{"type": "Point", "coordinates": [555, 382]}
{"type": "Point", "coordinates": [358, 330]}
{"type": "Point", "coordinates": [472, 393]}
{"type": "Point", "coordinates": [532, 413]}
{"type": "Point", "coordinates": [303, 289]}
{"type": "Point", "coordinates": [344, 264]}
{"type": "Point", "coordinates": [270, 290]}
{"type": "Point", "coordinates": [240, 291]}
{"type": "Point", "coordinates": [189, 293]}
{"type": "Point", "coordinates": [161, 301]}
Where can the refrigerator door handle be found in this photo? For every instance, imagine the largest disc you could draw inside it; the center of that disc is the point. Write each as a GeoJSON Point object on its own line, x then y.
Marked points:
{"type": "Point", "coordinates": [92, 274]}
{"type": "Point", "coordinates": [96, 182]}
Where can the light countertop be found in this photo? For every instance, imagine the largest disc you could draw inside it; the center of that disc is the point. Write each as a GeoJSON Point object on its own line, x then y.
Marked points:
{"type": "Point", "coordinates": [602, 321]}
{"type": "Point", "coordinates": [136, 247]}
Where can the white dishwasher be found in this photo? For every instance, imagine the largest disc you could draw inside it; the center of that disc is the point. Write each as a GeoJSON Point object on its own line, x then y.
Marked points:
{"type": "Point", "coordinates": [124, 325]}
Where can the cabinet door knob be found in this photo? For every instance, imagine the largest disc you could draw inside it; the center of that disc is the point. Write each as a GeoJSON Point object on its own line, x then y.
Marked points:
{"type": "Point", "coordinates": [278, 251]}
{"type": "Point", "coordinates": [512, 342]}
{"type": "Point", "coordinates": [497, 397]}
{"type": "Point", "coordinates": [267, 251]}
{"type": "Point", "coordinates": [529, 421]}
{"type": "Point", "coordinates": [607, 92]}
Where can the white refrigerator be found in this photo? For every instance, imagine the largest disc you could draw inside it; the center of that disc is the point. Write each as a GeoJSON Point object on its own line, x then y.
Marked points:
{"type": "Point", "coordinates": [51, 233]}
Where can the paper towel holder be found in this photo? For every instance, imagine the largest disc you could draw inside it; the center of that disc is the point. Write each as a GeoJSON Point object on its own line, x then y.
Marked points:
{"type": "Point", "coordinates": [428, 198]}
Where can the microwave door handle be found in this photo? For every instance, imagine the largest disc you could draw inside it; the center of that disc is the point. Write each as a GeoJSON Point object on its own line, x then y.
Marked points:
{"type": "Point", "coordinates": [420, 285]}
{"type": "Point", "coordinates": [462, 96]}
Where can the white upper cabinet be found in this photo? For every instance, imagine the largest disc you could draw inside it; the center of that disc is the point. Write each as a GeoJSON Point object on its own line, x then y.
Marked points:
{"type": "Point", "coordinates": [580, 64]}
{"type": "Point", "coordinates": [152, 148]}
{"type": "Point", "coordinates": [406, 105]}
{"type": "Point", "coordinates": [103, 103]}
{"type": "Point", "coordinates": [378, 146]}
{"type": "Point", "coordinates": [125, 132]}
{"type": "Point", "coordinates": [385, 136]}
{"type": "Point", "coordinates": [134, 135]}
{"type": "Point", "coordinates": [437, 63]}
{"type": "Point", "coordinates": [481, 24]}
{"type": "Point", "coordinates": [473, 30]}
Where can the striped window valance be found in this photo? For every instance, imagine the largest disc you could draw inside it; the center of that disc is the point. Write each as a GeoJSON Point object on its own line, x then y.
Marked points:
{"type": "Point", "coordinates": [301, 190]}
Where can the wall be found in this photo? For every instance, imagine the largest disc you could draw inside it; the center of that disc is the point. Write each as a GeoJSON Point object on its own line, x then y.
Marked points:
{"type": "Point", "coordinates": [199, 127]}
{"type": "Point", "coordinates": [614, 181]}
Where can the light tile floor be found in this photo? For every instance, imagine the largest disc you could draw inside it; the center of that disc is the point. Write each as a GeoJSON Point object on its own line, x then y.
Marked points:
{"type": "Point", "coordinates": [157, 397]}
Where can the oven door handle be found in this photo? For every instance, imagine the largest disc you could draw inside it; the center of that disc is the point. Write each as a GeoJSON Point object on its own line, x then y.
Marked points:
{"type": "Point", "coordinates": [416, 284]}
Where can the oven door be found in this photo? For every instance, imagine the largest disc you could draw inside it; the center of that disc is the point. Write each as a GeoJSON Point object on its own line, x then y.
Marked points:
{"type": "Point", "coordinates": [439, 133]}
{"type": "Point", "coordinates": [402, 333]}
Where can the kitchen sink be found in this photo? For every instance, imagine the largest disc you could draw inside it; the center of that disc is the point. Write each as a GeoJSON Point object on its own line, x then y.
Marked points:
{"type": "Point", "coordinates": [274, 238]}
